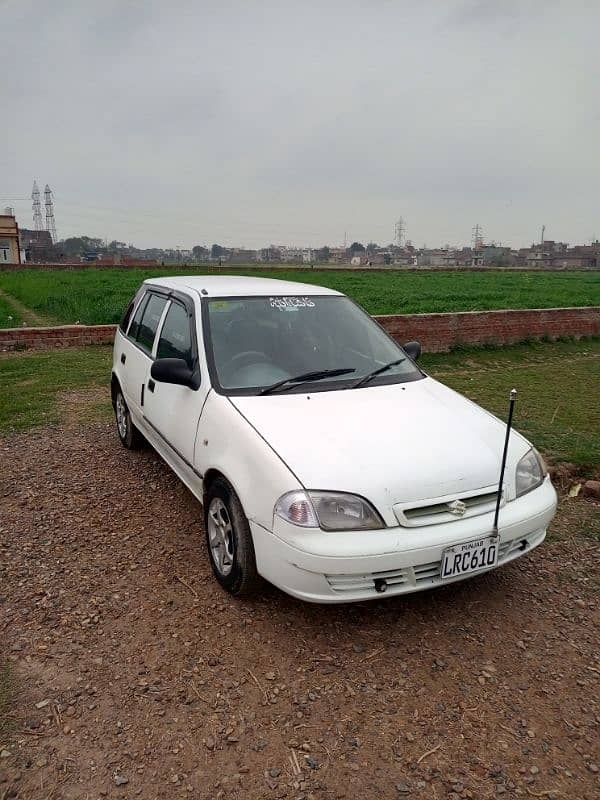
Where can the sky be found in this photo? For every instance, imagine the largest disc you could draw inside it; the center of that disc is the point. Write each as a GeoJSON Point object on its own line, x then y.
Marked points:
{"type": "Point", "coordinates": [187, 122]}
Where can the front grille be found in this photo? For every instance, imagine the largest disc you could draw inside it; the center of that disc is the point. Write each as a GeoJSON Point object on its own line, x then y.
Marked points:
{"type": "Point", "coordinates": [352, 583]}
{"type": "Point", "coordinates": [409, 579]}
{"type": "Point", "coordinates": [470, 505]}
{"type": "Point", "coordinates": [427, 572]}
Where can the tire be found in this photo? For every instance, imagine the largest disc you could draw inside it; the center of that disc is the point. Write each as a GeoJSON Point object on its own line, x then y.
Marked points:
{"type": "Point", "coordinates": [129, 435]}
{"type": "Point", "coordinates": [229, 541]}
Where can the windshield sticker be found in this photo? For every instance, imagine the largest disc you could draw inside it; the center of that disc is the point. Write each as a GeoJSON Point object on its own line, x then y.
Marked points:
{"type": "Point", "coordinates": [222, 305]}
{"type": "Point", "coordinates": [291, 303]}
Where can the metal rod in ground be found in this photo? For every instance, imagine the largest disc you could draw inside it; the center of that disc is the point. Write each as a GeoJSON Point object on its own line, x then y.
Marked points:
{"type": "Point", "coordinates": [511, 408]}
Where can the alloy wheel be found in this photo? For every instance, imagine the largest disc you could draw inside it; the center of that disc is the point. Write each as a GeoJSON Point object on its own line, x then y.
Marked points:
{"type": "Point", "coordinates": [121, 413]}
{"type": "Point", "coordinates": [220, 536]}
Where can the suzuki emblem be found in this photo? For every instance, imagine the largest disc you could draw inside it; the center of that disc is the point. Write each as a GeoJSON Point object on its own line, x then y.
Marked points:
{"type": "Point", "coordinates": [457, 508]}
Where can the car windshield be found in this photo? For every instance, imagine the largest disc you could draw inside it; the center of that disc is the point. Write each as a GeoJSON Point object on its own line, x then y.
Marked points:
{"type": "Point", "coordinates": [317, 342]}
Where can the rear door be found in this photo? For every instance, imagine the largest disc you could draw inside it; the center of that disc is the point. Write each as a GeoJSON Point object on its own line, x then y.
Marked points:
{"type": "Point", "coordinates": [173, 411]}
{"type": "Point", "coordinates": [135, 357]}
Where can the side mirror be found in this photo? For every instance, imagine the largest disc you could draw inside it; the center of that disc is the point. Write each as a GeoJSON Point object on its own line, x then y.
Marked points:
{"type": "Point", "coordinates": [413, 350]}
{"type": "Point", "coordinates": [173, 370]}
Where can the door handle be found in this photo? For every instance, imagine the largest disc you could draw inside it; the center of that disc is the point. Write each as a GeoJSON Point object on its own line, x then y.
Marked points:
{"type": "Point", "coordinates": [151, 385]}
{"type": "Point", "coordinates": [123, 358]}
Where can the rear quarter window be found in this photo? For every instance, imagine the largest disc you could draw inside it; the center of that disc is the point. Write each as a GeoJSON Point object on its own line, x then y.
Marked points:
{"type": "Point", "coordinates": [135, 322]}
{"type": "Point", "coordinates": [124, 324]}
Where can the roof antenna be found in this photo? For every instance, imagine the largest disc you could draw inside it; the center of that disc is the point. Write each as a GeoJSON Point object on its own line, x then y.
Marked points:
{"type": "Point", "coordinates": [511, 408]}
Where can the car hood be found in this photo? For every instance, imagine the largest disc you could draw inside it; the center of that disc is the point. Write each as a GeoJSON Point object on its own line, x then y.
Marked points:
{"type": "Point", "coordinates": [390, 444]}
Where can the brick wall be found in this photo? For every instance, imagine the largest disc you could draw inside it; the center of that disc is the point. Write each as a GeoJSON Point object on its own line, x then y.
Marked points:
{"type": "Point", "coordinates": [436, 332]}
{"type": "Point", "coordinates": [53, 338]}
{"type": "Point", "coordinates": [442, 332]}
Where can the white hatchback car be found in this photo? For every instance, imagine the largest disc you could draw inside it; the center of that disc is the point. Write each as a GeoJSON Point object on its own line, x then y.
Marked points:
{"type": "Point", "coordinates": [326, 460]}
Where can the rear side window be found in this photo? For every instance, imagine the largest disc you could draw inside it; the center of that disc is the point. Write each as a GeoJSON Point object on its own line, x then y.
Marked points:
{"type": "Point", "coordinates": [148, 325]}
{"type": "Point", "coordinates": [175, 338]}
{"type": "Point", "coordinates": [127, 316]}
{"type": "Point", "coordinates": [135, 323]}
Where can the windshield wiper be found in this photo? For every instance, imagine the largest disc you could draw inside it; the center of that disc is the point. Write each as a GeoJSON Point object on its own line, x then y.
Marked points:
{"type": "Point", "coordinates": [366, 378]}
{"type": "Point", "coordinates": [306, 377]}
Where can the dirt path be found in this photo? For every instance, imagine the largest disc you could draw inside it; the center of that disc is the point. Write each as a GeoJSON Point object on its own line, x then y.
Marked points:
{"type": "Point", "coordinates": [140, 678]}
{"type": "Point", "coordinates": [30, 317]}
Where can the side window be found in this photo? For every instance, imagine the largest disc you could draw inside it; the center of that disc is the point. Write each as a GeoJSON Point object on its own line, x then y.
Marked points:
{"type": "Point", "coordinates": [175, 338]}
{"type": "Point", "coordinates": [127, 315]}
{"type": "Point", "coordinates": [135, 324]}
{"type": "Point", "coordinates": [149, 322]}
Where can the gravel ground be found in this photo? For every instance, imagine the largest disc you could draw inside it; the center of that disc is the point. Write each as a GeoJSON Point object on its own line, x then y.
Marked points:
{"type": "Point", "coordinates": [136, 676]}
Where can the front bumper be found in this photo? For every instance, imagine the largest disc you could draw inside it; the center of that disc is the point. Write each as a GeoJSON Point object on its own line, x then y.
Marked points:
{"type": "Point", "coordinates": [342, 567]}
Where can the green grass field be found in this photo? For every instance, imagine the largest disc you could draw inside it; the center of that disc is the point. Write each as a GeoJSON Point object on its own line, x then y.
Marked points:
{"type": "Point", "coordinates": [557, 388]}
{"type": "Point", "coordinates": [9, 318]}
{"type": "Point", "coordinates": [32, 384]}
{"type": "Point", "coordinates": [93, 296]}
{"type": "Point", "coordinates": [557, 384]}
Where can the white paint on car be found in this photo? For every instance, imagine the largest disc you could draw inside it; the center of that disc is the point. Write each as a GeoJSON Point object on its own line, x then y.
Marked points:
{"type": "Point", "coordinates": [402, 449]}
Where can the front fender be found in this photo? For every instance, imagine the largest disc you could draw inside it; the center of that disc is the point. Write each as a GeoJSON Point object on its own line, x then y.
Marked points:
{"type": "Point", "coordinates": [227, 442]}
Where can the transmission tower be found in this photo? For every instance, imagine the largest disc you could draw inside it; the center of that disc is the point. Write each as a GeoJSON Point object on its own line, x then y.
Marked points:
{"type": "Point", "coordinates": [37, 207]}
{"type": "Point", "coordinates": [399, 231]}
{"type": "Point", "coordinates": [50, 224]}
{"type": "Point", "coordinates": [477, 237]}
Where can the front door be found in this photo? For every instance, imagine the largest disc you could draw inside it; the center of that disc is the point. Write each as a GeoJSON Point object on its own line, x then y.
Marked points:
{"type": "Point", "coordinates": [173, 411]}
{"type": "Point", "coordinates": [135, 350]}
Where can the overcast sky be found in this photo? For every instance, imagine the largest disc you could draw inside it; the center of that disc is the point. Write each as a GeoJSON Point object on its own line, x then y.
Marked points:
{"type": "Point", "coordinates": [245, 123]}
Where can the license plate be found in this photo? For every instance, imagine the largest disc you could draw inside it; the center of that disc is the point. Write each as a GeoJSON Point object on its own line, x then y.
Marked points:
{"type": "Point", "coordinates": [463, 559]}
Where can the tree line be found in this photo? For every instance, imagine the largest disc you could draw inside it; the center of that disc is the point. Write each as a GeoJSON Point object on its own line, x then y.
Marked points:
{"type": "Point", "coordinates": [76, 246]}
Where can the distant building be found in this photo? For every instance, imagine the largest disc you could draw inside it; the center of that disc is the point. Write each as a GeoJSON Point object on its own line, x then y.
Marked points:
{"type": "Point", "coordinates": [575, 261]}
{"type": "Point", "coordinates": [405, 258]}
{"type": "Point", "coordinates": [492, 255]}
{"type": "Point", "coordinates": [440, 257]}
{"type": "Point", "coordinates": [338, 255]}
{"type": "Point", "coordinates": [588, 256]}
{"type": "Point", "coordinates": [269, 254]}
{"type": "Point", "coordinates": [558, 255]}
{"type": "Point", "coordinates": [292, 255]}
{"type": "Point", "coordinates": [9, 240]}
{"type": "Point", "coordinates": [36, 245]}
{"type": "Point", "coordinates": [240, 255]}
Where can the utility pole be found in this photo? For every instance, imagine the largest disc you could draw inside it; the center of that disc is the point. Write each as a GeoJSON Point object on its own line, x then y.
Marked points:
{"type": "Point", "coordinates": [50, 223]}
{"type": "Point", "coordinates": [477, 237]}
{"type": "Point", "coordinates": [399, 231]}
{"type": "Point", "coordinates": [543, 232]}
{"type": "Point", "coordinates": [37, 208]}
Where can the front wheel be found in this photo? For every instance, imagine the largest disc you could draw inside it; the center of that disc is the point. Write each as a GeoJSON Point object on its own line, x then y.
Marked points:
{"type": "Point", "coordinates": [229, 540]}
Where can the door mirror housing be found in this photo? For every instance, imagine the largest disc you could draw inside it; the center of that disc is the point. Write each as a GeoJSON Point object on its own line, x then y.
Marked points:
{"type": "Point", "coordinates": [174, 370]}
{"type": "Point", "coordinates": [413, 350]}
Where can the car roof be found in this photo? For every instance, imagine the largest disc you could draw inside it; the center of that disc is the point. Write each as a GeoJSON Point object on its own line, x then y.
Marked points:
{"type": "Point", "coordinates": [238, 285]}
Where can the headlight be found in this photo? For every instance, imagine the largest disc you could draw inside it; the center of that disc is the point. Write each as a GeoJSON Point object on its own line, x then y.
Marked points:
{"type": "Point", "coordinates": [531, 472]}
{"type": "Point", "coordinates": [331, 511]}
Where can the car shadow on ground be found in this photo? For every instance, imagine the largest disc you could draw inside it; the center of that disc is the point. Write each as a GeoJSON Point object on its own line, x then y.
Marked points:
{"type": "Point", "coordinates": [458, 604]}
